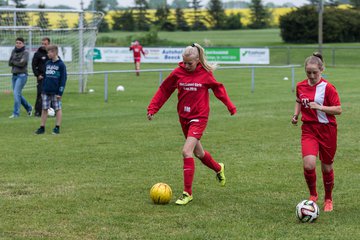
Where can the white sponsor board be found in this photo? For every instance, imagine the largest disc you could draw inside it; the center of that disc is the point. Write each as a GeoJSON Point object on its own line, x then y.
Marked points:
{"type": "Point", "coordinates": [109, 54]}
{"type": "Point", "coordinates": [254, 56]}
{"type": "Point", "coordinates": [5, 53]}
{"type": "Point", "coordinates": [163, 55]}
{"type": "Point", "coordinates": [65, 53]}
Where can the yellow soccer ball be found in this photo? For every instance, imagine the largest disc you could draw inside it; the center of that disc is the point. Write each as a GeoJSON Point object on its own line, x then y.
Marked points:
{"type": "Point", "coordinates": [161, 193]}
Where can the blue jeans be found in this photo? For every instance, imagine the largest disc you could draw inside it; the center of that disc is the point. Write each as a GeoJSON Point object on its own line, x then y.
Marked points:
{"type": "Point", "coordinates": [18, 83]}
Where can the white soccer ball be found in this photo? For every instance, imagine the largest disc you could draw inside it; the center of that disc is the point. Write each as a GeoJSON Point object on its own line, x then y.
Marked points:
{"type": "Point", "coordinates": [51, 112]}
{"type": "Point", "coordinates": [286, 78]}
{"type": "Point", "coordinates": [307, 211]}
{"type": "Point", "coordinates": [91, 90]}
{"type": "Point", "coordinates": [120, 88]}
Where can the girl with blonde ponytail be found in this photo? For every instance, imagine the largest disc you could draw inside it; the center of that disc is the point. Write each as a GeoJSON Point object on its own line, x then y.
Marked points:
{"type": "Point", "coordinates": [193, 78]}
{"type": "Point", "coordinates": [196, 51]}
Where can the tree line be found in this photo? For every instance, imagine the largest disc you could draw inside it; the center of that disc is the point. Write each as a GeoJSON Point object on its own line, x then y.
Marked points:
{"type": "Point", "coordinates": [339, 25]}
{"type": "Point", "coordinates": [137, 18]}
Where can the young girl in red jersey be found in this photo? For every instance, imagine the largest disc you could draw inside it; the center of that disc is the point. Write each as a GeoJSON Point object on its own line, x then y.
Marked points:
{"type": "Point", "coordinates": [193, 78]}
{"type": "Point", "coordinates": [137, 50]}
{"type": "Point", "coordinates": [318, 102]}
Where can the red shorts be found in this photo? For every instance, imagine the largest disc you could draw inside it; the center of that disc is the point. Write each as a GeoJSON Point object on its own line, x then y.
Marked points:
{"type": "Point", "coordinates": [137, 59]}
{"type": "Point", "coordinates": [319, 139]}
{"type": "Point", "coordinates": [193, 127]}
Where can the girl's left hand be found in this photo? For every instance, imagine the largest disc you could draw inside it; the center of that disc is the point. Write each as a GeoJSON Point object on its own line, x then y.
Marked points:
{"type": "Point", "coordinates": [314, 105]}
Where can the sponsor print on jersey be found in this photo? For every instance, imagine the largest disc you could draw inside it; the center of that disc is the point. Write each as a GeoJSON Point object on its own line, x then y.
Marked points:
{"type": "Point", "coordinates": [187, 109]}
{"type": "Point", "coordinates": [305, 102]}
{"type": "Point", "coordinates": [190, 86]}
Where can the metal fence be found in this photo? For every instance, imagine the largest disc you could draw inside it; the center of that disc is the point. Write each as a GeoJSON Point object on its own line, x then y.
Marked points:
{"type": "Point", "coordinates": [333, 56]}
{"type": "Point", "coordinates": [5, 82]}
{"type": "Point", "coordinates": [253, 68]}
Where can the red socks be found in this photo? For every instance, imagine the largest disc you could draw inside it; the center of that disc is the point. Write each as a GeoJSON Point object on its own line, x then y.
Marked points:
{"type": "Point", "coordinates": [189, 169]}
{"type": "Point", "coordinates": [210, 162]}
{"type": "Point", "coordinates": [310, 177]}
{"type": "Point", "coordinates": [328, 179]}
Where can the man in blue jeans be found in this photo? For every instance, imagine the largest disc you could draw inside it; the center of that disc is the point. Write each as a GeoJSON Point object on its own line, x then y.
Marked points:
{"type": "Point", "coordinates": [18, 62]}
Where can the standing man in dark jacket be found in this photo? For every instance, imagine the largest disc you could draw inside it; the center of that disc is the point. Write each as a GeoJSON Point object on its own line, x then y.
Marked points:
{"type": "Point", "coordinates": [38, 67]}
{"type": "Point", "coordinates": [18, 62]}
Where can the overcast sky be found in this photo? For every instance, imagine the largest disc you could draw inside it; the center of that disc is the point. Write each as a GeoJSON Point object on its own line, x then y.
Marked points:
{"type": "Point", "coordinates": [124, 3]}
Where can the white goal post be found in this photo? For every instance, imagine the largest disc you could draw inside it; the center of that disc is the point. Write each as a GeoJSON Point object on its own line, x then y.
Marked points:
{"type": "Point", "coordinates": [74, 31]}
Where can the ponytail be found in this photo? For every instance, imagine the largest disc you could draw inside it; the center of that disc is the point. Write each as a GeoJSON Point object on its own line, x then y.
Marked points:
{"type": "Point", "coordinates": [197, 52]}
{"type": "Point", "coordinates": [316, 58]}
{"type": "Point", "coordinates": [317, 54]}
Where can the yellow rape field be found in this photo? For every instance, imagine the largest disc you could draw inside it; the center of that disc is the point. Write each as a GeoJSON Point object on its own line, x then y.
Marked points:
{"type": "Point", "coordinates": [188, 13]}
{"type": "Point", "coordinates": [72, 18]}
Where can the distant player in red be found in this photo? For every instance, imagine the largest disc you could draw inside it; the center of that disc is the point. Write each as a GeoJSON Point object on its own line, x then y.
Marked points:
{"type": "Point", "coordinates": [137, 50]}
{"type": "Point", "coordinates": [318, 102]}
{"type": "Point", "coordinates": [193, 78]}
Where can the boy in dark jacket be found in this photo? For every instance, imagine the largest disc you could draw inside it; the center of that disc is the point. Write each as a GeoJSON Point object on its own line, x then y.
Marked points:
{"type": "Point", "coordinates": [38, 66]}
{"type": "Point", "coordinates": [52, 88]}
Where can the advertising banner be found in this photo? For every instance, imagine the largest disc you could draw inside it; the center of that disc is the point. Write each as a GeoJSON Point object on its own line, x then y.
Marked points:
{"type": "Point", "coordinates": [223, 55]}
{"type": "Point", "coordinates": [254, 56]}
{"type": "Point", "coordinates": [160, 55]}
{"type": "Point", "coordinates": [174, 55]}
{"type": "Point", "coordinates": [152, 55]}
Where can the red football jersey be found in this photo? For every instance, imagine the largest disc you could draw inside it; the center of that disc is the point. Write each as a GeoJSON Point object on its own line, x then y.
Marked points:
{"type": "Point", "coordinates": [137, 50]}
{"type": "Point", "coordinates": [323, 93]}
{"type": "Point", "coordinates": [193, 92]}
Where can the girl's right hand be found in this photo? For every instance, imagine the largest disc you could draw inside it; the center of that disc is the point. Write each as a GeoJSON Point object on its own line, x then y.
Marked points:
{"type": "Point", "coordinates": [294, 119]}
{"type": "Point", "coordinates": [150, 116]}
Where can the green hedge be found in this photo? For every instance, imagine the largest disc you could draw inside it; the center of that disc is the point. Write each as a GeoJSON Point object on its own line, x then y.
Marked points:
{"type": "Point", "coordinates": [339, 25]}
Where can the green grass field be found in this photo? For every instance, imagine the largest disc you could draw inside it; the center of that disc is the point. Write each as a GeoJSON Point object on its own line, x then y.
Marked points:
{"type": "Point", "coordinates": [93, 180]}
{"type": "Point", "coordinates": [336, 54]}
{"type": "Point", "coordinates": [233, 38]}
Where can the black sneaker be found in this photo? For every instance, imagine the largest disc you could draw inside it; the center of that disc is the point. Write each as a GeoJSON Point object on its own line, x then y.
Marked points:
{"type": "Point", "coordinates": [40, 131]}
{"type": "Point", "coordinates": [56, 130]}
